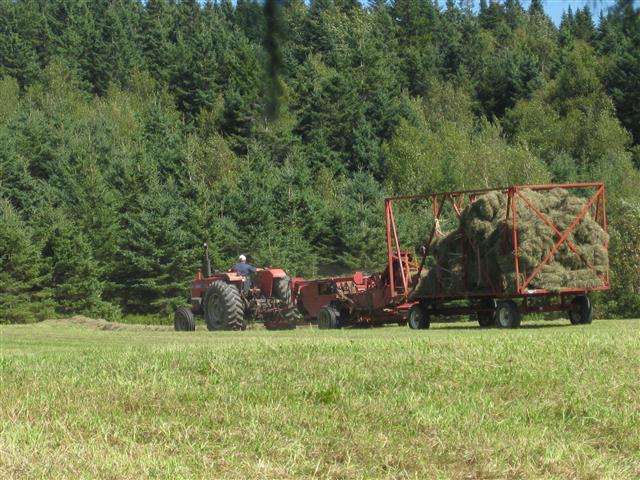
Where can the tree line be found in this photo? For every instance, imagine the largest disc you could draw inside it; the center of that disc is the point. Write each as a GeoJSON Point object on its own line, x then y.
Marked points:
{"type": "Point", "coordinates": [132, 131]}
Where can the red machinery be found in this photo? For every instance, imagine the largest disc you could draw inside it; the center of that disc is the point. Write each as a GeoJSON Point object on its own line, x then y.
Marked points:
{"type": "Point", "coordinates": [497, 306]}
{"type": "Point", "coordinates": [390, 296]}
{"type": "Point", "coordinates": [227, 299]}
{"type": "Point", "coordinates": [359, 299]}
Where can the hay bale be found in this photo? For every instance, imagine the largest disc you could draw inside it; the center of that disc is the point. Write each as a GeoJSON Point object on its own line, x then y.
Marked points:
{"type": "Point", "coordinates": [482, 246]}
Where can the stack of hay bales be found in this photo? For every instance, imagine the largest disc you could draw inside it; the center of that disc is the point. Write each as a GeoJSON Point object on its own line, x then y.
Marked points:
{"type": "Point", "coordinates": [480, 251]}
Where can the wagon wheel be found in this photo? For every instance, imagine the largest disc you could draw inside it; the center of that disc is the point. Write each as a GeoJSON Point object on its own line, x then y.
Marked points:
{"type": "Point", "coordinates": [581, 310]}
{"type": "Point", "coordinates": [507, 315]}
{"type": "Point", "coordinates": [282, 291]}
{"type": "Point", "coordinates": [486, 319]}
{"type": "Point", "coordinates": [328, 318]}
{"type": "Point", "coordinates": [183, 320]}
{"type": "Point", "coordinates": [223, 307]}
{"type": "Point", "coordinates": [418, 318]}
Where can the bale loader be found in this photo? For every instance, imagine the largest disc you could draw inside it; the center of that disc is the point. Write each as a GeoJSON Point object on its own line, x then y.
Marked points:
{"type": "Point", "coordinates": [227, 300]}
{"type": "Point", "coordinates": [526, 283]}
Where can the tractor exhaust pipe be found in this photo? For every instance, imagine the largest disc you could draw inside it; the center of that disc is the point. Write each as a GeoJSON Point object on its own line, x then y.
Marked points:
{"type": "Point", "coordinates": [206, 262]}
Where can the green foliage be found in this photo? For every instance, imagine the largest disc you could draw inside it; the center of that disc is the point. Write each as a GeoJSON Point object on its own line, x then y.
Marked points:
{"type": "Point", "coordinates": [450, 150]}
{"type": "Point", "coordinates": [131, 131]}
{"type": "Point", "coordinates": [509, 77]}
{"type": "Point", "coordinates": [156, 254]}
{"type": "Point", "coordinates": [621, 34]}
{"type": "Point", "coordinates": [75, 277]}
{"type": "Point", "coordinates": [9, 97]}
{"type": "Point", "coordinates": [625, 259]}
{"type": "Point", "coordinates": [23, 275]}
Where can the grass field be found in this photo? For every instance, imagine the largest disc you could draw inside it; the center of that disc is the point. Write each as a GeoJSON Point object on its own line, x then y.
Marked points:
{"type": "Point", "coordinates": [546, 401]}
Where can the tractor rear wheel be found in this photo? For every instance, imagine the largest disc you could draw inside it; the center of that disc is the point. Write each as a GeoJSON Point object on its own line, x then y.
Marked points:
{"type": "Point", "coordinates": [507, 315]}
{"type": "Point", "coordinates": [282, 291]}
{"type": "Point", "coordinates": [183, 320]}
{"type": "Point", "coordinates": [328, 318]}
{"type": "Point", "coordinates": [418, 317]}
{"type": "Point", "coordinates": [223, 307]}
{"type": "Point", "coordinates": [581, 310]}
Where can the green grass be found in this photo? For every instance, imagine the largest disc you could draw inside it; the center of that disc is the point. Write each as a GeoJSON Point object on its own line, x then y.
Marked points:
{"type": "Point", "coordinates": [546, 401]}
{"type": "Point", "coordinates": [146, 319]}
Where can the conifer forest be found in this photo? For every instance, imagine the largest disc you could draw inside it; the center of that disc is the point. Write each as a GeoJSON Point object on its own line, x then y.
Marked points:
{"type": "Point", "coordinates": [133, 131]}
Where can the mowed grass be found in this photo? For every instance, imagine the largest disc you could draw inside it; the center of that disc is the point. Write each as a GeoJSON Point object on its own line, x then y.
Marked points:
{"type": "Point", "coordinates": [546, 401]}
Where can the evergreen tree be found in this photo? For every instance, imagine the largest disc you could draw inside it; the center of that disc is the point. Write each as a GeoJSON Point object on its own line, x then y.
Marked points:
{"type": "Point", "coordinates": [624, 84]}
{"type": "Point", "coordinates": [536, 8]}
{"type": "Point", "coordinates": [117, 52]}
{"type": "Point", "coordinates": [512, 76]}
{"type": "Point", "coordinates": [623, 79]}
{"type": "Point", "coordinates": [18, 58]}
{"type": "Point", "coordinates": [567, 25]}
{"type": "Point", "coordinates": [156, 254]}
{"type": "Point", "coordinates": [583, 27]}
{"type": "Point", "coordinates": [75, 281]}
{"type": "Point", "coordinates": [23, 276]}
{"type": "Point", "coordinates": [157, 31]}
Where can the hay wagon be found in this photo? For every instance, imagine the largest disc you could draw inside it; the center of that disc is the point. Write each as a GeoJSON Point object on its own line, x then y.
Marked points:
{"type": "Point", "coordinates": [515, 250]}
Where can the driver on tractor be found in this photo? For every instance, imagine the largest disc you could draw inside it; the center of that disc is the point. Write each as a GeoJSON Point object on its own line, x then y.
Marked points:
{"type": "Point", "coordinates": [245, 269]}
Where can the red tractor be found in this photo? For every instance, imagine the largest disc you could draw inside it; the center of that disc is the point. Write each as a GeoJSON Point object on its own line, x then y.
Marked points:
{"type": "Point", "coordinates": [227, 299]}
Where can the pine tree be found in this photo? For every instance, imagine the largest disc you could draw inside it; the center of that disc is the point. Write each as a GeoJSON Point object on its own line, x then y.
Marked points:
{"type": "Point", "coordinates": [623, 79]}
{"type": "Point", "coordinates": [18, 58]}
{"type": "Point", "coordinates": [566, 28]}
{"type": "Point", "coordinates": [157, 253]}
{"type": "Point", "coordinates": [243, 100]}
{"type": "Point", "coordinates": [157, 31]}
{"type": "Point", "coordinates": [514, 13]}
{"type": "Point", "coordinates": [536, 8]}
{"type": "Point", "coordinates": [23, 275]}
{"type": "Point", "coordinates": [248, 16]}
{"type": "Point", "coordinates": [76, 282]}
{"type": "Point", "coordinates": [512, 76]}
{"type": "Point", "coordinates": [120, 30]}
{"type": "Point", "coordinates": [583, 27]}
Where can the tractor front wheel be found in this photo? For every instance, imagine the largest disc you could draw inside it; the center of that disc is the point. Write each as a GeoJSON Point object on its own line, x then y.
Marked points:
{"type": "Point", "coordinates": [328, 318]}
{"type": "Point", "coordinates": [183, 320]}
{"type": "Point", "coordinates": [223, 307]}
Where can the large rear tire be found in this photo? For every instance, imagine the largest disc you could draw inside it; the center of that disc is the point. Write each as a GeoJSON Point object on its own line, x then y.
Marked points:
{"type": "Point", "coordinates": [418, 317]}
{"type": "Point", "coordinates": [581, 310]}
{"type": "Point", "coordinates": [507, 315]}
{"type": "Point", "coordinates": [183, 320]}
{"type": "Point", "coordinates": [282, 291]}
{"type": "Point", "coordinates": [223, 307]}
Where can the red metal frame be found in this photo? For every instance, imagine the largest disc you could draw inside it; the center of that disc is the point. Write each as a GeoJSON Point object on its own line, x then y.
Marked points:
{"type": "Point", "coordinates": [399, 294]}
